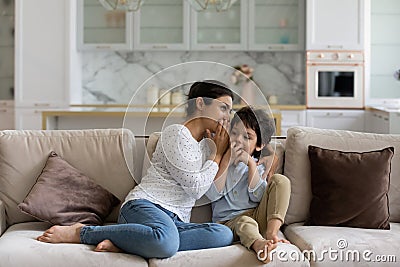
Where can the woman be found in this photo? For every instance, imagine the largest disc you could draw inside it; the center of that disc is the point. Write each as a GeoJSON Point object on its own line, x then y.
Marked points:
{"type": "Point", "coordinates": [154, 219]}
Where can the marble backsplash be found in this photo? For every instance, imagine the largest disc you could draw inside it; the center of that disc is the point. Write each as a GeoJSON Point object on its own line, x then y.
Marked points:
{"type": "Point", "coordinates": [114, 77]}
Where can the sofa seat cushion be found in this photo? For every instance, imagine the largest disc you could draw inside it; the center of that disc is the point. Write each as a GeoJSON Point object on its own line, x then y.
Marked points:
{"type": "Point", "coordinates": [232, 256]}
{"type": "Point", "coordinates": [346, 240]}
{"type": "Point", "coordinates": [18, 247]}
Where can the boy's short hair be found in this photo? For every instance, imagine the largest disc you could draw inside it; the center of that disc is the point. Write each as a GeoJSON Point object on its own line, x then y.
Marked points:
{"type": "Point", "coordinates": [259, 121]}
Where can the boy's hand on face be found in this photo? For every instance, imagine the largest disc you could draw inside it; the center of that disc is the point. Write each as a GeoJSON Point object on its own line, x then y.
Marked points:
{"type": "Point", "coordinates": [239, 155]}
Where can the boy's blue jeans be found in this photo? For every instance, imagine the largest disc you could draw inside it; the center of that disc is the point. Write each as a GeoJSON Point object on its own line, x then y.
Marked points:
{"type": "Point", "coordinates": [150, 231]}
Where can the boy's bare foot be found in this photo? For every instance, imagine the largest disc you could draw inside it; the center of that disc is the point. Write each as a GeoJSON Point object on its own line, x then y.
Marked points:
{"type": "Point", "coordinates": [263, 249]}
{"type": "Point", "coordinates": [62, 234]}
{"type": "Point", "coordinates": [107, 246]}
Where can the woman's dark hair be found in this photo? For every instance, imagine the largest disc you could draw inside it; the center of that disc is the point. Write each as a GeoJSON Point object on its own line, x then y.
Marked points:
{"type": "Point", "coordinates": [208, 90]}
{"type": "Point", "coordinates": [259, 121]}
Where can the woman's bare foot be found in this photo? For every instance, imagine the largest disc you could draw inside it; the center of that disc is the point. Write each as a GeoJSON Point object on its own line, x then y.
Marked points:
{"type": "Point", "coordinates": [263, 249]}
{"type": "Point", "coordinates": [107, 246]}
{"type": "Point", "coordinates": [62, 234]}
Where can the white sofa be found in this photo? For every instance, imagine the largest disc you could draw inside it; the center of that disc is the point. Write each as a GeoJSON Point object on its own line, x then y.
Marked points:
{"type": "Point", "coordinates": [110, 157]}
{"type": "Point", "coordinates": [113, 157]}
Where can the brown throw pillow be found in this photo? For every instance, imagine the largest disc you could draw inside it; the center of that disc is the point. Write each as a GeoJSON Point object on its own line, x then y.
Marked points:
{"type": "Point", "coordinates": [63, 195]}
{"type": "Point", "coordinates": [350, 188]}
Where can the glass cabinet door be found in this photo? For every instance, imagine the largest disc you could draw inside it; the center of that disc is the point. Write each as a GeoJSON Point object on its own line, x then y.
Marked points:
{"type": "Point", "coordinates": [6, 50]}
{"type": "Point", "coordinates": [162, 25]}
{"type": "Point", "coordinates": [225, 30]}
{"type": "Point", "coordinates": [276, 25]}
{"type": "Point", "coordinates": [99, 28]}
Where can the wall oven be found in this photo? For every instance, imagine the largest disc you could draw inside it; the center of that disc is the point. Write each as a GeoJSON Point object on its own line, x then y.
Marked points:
{"type": "Point", "coordinates": [335, 79]}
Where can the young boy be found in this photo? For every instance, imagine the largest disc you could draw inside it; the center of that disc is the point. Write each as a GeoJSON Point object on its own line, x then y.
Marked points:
{"type": "Point", "coordinates": [242, 200]}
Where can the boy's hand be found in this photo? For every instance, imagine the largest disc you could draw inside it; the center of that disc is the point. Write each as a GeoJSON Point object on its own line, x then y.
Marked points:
{"type": "Point", "coordinates": [239, 155]}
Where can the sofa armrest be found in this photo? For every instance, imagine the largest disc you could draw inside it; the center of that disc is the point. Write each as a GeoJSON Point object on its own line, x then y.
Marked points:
{"type": "Point", "coordinates": [2, 218]}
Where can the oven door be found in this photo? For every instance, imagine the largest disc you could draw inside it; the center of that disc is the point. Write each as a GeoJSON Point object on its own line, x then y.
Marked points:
{"type": "Point", "coordinates": [335, 86]}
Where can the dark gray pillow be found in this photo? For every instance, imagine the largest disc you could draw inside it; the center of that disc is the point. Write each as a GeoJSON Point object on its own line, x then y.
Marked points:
{"type": "Point", "coordinates": [63, 195]}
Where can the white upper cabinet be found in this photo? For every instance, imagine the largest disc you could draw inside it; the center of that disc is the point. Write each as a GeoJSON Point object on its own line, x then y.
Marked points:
{"type": "Point", "coordinates": [276, 25]}
{"type": "Point", "coordinates": [41, 56]}
{"type": "Point", "coordinates": [162, 25]}
{"type": "Point", "coordinates": [101, 29]}
{"type": "Point", "coordinates": [335, 24]}
{"type": "Point", "coordinates": [226, 30]}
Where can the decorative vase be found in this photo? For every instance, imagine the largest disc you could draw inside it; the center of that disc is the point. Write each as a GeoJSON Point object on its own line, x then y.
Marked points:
{"type": "Point", "coordinates": [247, 95]}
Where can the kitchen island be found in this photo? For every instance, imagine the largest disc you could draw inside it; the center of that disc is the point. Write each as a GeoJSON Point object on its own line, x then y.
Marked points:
{"type": "Point", "coordinates": [141, 120]}
{"type": "Point", "coordinates": [383, 119]}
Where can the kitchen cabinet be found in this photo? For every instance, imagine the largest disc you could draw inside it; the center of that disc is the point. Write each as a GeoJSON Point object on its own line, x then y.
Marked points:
{"type": "Point", "coordinates": [352, 120]}
{"type": "Point", "coordinates": [382, 121]}
{"type": "Point", "coordinates": [101, 29]}
{"type": "Point", "coordinates": [28, 118]}
{"type": "Point", "coordinates": [162, 25]}
{"type": "Point", "coordinates": [377, 122]}
{"type": "Point", "coordinates": [276, 25]}
{"type": "Point", "coordinates": [6, 51]}
{"type": "Point", "coordinates": [41, 57]}
{"type": "Point", "coordinates": [272, 25]}
{"type": "Point", "coordinates": [383, 82]}
{"type": "Point", "coordinates": [335, 24]}
{"type": "Point", "coordinates": [6, 115]}
{"type": "Point", "coordinates": [225, 30]}
{"type": "Point", "coordinates": [291, 118]}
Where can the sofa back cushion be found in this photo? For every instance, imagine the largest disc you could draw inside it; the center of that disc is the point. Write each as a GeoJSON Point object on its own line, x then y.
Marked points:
{"type": "Point", "coordinates": [106, 156]}
{"type": "Point", "coordinates": [297, 164]}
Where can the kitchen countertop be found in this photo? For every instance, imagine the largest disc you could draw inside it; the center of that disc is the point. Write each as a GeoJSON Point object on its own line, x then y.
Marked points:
{"type": "Point", "coordinates": [51, 115]}
{"type": "Point", "coordinates": [273, 107]}
{"type": "Point", "coordinates": [112, 111]}
{"type": "Point", "coordinates": [386, 109]}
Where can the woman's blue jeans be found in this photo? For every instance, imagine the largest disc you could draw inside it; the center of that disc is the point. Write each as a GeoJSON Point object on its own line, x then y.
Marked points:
{"type": "Point", "coordinates": [150, 231]}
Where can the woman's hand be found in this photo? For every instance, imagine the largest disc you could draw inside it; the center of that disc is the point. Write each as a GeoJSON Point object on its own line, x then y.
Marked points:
{"type": "Point", "coordinates": [220, 139]}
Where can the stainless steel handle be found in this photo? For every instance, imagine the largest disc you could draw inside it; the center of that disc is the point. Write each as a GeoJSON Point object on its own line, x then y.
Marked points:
{"type": "Point", "coordinates": [276, 47]}
{"type": "Point", "coordinates": [335, 46]}
{"type": "Point", "coordinates": [103, 46]}
{"type": "Point", "coordinates": [160, 46]}
{"type": "Point", "coordinates": [217, 46]}
{"type": "Point", "coordinates": [3, 110]}
{"type": "Point", "coordinates": [334, 114]}
{"type": "Point", "coordinates": [41, 104]}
